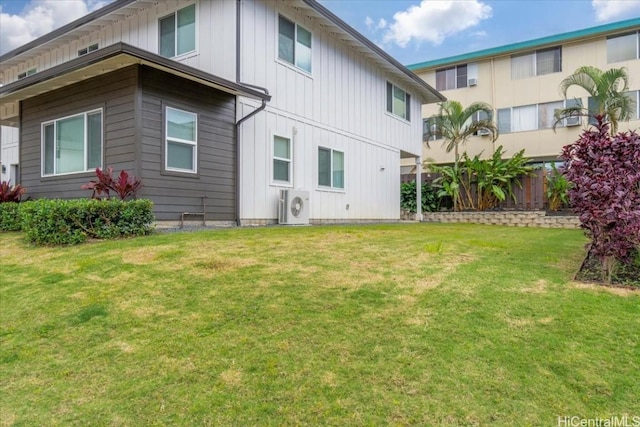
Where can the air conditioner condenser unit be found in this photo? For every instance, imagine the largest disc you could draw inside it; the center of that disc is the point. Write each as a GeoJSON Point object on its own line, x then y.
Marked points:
{"type": "Point", "coordinates": [293, 207]}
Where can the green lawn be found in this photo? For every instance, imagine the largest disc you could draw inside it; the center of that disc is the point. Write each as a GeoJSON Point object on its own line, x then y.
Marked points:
{"type": "Point", "coordinates": [407, 324]}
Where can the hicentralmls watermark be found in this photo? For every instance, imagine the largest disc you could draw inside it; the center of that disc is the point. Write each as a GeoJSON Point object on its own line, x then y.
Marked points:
{"type": "Point", "coordinates": [616, 421]}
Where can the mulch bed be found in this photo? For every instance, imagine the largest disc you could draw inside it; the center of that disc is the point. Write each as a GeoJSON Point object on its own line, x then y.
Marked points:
{"type": "Point", "coordinates": [625, 275]}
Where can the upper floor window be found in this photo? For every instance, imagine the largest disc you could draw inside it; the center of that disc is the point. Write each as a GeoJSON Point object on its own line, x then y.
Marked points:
{"type": "Point", "coordinates": [623, 48]}
{"type": "Point", "coordinates": [72, 144]}
{"type": "Point", "coordinates": [181, 140]}
{"type": "Point", "coordinates": [451, 77]}
{"type": "Point", "coordinates": [534, 117]}
{"type": "Point", "coordinates": [88, 49]}
{"type": "Point", "coordinates": [330, 168]}
{"type": "Point", "coordinates": [543, 61]}
{"type": "Point", "coordinates": [398, 101]}
{"type": "Point", "coordinates": [281, 160]}
{"type": "Point", "coordinates": [294, 44]}
{"type": "Point", "coordinates": [178, 32]}
{"type": "Point", "coordinates": [27, 73]}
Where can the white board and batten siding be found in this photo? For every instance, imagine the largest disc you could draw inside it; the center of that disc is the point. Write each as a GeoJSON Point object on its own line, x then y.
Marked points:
{"type": "Point", "coordinates": [215, 38]}
{"type": "Point", "coordinates": [340, 105]}
{"type": "Point", "coordinates": [9, 154]}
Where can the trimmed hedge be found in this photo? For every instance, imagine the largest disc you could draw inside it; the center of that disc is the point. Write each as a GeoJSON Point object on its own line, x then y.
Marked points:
{"type": "Point", "coordinates": [10, 217]}
{"type": "Point", "coordinates": [64, 222]}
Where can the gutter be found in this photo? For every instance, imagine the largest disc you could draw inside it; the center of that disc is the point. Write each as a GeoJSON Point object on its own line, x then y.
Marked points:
{"type": "Point", "coordinates": [245, 118]}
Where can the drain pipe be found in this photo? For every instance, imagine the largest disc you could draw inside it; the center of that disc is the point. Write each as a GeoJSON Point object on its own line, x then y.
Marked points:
{"type": "Point", "coordinates": [243, 119]}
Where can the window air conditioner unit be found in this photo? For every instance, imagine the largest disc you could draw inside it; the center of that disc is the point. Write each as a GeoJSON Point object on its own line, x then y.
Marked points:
{"type": "Point", "coordinates": [572, 121]}
{"type": "Point", "coordinates": [293, 207]}
{"type": "Point", "coordinates": [473, 82]}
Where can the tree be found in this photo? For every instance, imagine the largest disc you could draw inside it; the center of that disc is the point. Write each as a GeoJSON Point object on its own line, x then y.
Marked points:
{"type": "Point", "coordinates": [456, 124]}
{"type": "Point", "coordinates": [606, 88]}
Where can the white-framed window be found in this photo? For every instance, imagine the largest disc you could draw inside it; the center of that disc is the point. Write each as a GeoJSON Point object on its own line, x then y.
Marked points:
{"type": "Point", "coordinates": [573, 120]}
{"type": "Point", "coordinates": [478, 116]}
{"type": "Point", "coordinates": [429, 128]}
{"type": "Point", "coordinates": [88, 49]}
{"type": "Point", "coordinates": [330, 168]}
{"type": "Point", "coordinates": [538, 63]}
{"type": "Point", "coordinates": [546, 114]}
{"type": "Point", "coordinates": [27, 73]}
{"type": "Point", "coordinates": [623, 47]}
{"type": "Point", "coordinates": [398, 102]}
{"type": "Point", "coordinates": [451, 77]}
{"type": "Point", "coordinates": [282, 160]}
{"type": "Point", "coordinates": [294, 44]}
{"type": "Point", "coordinates": [177, 32]}
{"type": "Point", "coordinates": [181, 140]}
{"type": "Point", "coordinates": [72, 144]}
{"type": "Point", "coordinates": [530, 117]}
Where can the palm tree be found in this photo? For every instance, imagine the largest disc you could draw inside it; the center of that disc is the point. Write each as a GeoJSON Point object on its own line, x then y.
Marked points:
{"type": "Point", "coordinates": [456, 124]}
{"type": "Point", "coordinates": [607, 88]}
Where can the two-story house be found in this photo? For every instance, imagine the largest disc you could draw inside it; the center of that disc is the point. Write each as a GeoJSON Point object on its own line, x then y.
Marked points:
{"type": "Point", "coordinates": [521, 81]}
{"type": "Point", "coordinates": [232, 100]}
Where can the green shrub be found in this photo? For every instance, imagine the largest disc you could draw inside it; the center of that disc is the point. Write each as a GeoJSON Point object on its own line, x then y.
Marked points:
{"type": "Point", "coordinates": [430, 199]}
{"type": "Point", "coordinates": [63, 222]}
{"type": "Point", "coordinates": [10, 217]}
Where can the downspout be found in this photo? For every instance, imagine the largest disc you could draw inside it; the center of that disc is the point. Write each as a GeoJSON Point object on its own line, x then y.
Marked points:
{"type": "Point", "coordinates": [243, 119]}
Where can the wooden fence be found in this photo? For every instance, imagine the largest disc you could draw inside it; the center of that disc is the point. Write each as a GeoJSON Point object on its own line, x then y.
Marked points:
{"type": "Point", "coordinates": [530, 197]}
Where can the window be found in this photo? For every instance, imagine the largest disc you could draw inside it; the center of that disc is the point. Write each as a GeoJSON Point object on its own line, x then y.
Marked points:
{"type": "Point", "coordinates": [88, 49]}
{"type": "Point", "coordinates": [574, 120]}
{"type": "Point", "coordinates": [27, 73]}
{"type": "Point", "coordinates": [538, 63]}
{"type": "Point", "coordinates": [478, 116]}
{"type": "Point", "coordinates": [546, 114]}
{"type": "Point", "coordinates": [429, 129]}
{"type": "Point", "coordinates": [178, 32]}
{"type": "Point", "coordinates": [181, 132]}
{"type": "Point", "coordinates": [72, 144]}
{"type": "Point", "coordinates": [330, 168]}
{"type": "Point", "coordinates": [530, 117]}
{"type": "Point", "coordinates": [504, 120]}
{"type": "Point", "coordinates": [281, 159]}
{"type": "Point", "coordinates": [398, 101]}
{"type": "Point", "coordinates": [452, 77]}
{"type": "Point", "coordinates": [623, 48]}
{"type": "Point", "coordinates": [294, 44]}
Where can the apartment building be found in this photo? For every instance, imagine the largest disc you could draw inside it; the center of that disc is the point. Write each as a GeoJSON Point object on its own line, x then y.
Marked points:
{"type": "Point", "coordinates": [521, 81]}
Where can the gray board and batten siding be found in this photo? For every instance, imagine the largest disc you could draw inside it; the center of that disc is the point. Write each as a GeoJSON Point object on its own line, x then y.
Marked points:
{"type": "Point", "coordinates": [133, 101]}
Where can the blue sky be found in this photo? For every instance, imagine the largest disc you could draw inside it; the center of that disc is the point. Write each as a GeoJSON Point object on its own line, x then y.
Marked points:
{"type": "Point", "coordinates": [412, 31]}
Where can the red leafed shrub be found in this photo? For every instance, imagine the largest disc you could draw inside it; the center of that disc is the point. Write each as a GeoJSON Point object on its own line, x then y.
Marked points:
{"type": "Point", "coordinates": [9, 193]}
{"type": "Point", "coordinates": [124, 185]}
{"type": "Point", "coordinates": [605, 172]}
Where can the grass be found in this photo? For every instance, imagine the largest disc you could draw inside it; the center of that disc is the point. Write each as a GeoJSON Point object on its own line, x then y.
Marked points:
{"type": "Point", "coordinates": [416, 324]}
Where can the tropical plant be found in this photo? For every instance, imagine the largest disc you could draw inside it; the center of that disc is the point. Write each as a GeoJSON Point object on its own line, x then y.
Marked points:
{"type": "Point", "coordinates": [456, 124]}
{"type": "Point", "coordinates": [557, 189]}
{"type": "Point", "coordinates": [605, 172]}
{"type": "Point", "coordinates": [430, 199]}
{"type": "Point", "coordinates": [11, 193]}
{"type": "Point", "coordinates": [482, 184]}
{"type": "Point", "coordinates": [124, 185]}
{"type": "Point", "coordinates": [607, 88]}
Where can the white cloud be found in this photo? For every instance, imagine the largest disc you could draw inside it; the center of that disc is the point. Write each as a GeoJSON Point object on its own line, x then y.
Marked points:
{"type": "Point", "coordinates": [40, 17]}
{"type": "Point", "coordinates": [433, 20]}
{"type": "Point", "coordinates": [368, 22]}
{"type": "Point", "coordinates": [372, 26]}
{"type": "Point", "coordinates": [607, 10]}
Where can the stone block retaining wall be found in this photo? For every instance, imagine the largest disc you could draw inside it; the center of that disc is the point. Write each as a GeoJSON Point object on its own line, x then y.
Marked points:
{"type": "Point", "coordinates": [510, 218]}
